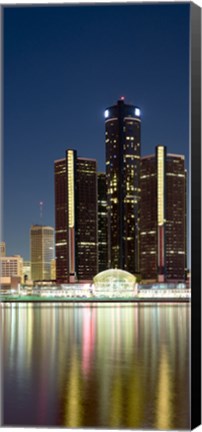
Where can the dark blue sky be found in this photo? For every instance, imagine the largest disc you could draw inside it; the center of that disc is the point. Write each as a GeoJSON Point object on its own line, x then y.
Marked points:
{"type": "Point", "coordinates": [62, 67]}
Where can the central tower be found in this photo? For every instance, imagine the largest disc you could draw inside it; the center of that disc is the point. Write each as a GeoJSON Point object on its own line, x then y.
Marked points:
{"type": "Point", "coordinates": [122, 137]}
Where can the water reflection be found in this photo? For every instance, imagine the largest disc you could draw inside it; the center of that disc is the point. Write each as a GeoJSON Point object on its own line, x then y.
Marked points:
{"type": "Point", "coordinates": [120, 366]}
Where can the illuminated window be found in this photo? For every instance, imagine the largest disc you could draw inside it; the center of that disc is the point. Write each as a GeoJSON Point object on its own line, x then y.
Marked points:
{"type": "Point", "coordinates": [137, 112]}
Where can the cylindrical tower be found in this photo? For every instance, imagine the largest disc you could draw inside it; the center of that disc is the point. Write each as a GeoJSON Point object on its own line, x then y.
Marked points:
{"type": "Point", "coordinates": [122, 137]}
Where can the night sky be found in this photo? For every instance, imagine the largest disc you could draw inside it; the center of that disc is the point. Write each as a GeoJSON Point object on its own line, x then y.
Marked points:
{"type": "Point", "coordinates": [62, 67]}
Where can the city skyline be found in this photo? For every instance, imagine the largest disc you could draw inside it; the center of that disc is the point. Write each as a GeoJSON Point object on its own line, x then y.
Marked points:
{"type": "Point", "coordinates": [62, 87]}
{"type": "Point", "coordinates": [87, 205]}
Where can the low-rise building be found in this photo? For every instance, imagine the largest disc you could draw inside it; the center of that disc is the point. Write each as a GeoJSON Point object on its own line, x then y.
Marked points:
{"type": "Point", "coordinates": [11, 270]}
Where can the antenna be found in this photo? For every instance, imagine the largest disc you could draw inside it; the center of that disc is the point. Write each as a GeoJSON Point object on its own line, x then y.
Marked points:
{"type": "Point", "coordinates": [41, 209]}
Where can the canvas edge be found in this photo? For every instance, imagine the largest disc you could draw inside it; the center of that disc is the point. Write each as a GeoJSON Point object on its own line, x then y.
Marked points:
{"type": "Point", "coordinates": [1, 191]}
{"type": "Point", "coordinates": [195, 189]}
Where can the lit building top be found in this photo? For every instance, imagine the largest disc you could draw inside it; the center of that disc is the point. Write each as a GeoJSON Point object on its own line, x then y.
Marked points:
{"type": "Point", "coordinates": [130, 111]}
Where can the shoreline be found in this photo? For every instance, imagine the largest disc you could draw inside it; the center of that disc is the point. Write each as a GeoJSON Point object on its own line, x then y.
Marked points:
{"type": "Point", "coordinates": [64, 300]}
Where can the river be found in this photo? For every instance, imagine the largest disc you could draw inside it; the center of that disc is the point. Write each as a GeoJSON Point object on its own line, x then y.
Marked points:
{"type": "Point", "coordinates": [96, 365]}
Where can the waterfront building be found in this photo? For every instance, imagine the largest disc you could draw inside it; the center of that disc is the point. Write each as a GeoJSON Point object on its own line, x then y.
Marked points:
{"type": "Point", "coordinates": [163, 216]}
{"type": "Point", "coordinates": [2, 249]}
{"type": "Point", "coordinates": [42, 251]}
{"type": "Point", "coordinates": [102, 222]}
{"type": "Point", "coordinates": [11, 266]}
{"type": "Point", "coordinates": [122, 136]}
{"type": "Point", "coordinates": [114, 283]}
{"type": "Point", "coordinates": [76, 218]}
{"type": "Point", "coordinates": [26, 271]}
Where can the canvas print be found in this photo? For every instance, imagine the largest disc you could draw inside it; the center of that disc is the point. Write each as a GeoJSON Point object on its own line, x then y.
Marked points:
{"type": "Point", "coordinates": [95, 252]}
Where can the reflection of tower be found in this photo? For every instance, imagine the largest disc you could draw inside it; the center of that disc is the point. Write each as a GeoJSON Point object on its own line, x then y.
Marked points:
{"type": "Point", "coordinates": [73, 394]}
{"type": "Point", "coordinates": [122, 126]}
{"type": "Point", "coordinates": [164, 411]}
{"type": "Point", "coordinates": [163, 216]}
{"type": "Point", "coordinates": [88, 339]}
{"type": "Point", "coordinates": [76, 218]}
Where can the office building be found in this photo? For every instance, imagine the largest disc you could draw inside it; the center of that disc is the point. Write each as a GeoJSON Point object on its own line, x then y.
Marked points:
{"type": "Point", "coordinates": [11, 272]}
{"type": "Point", "coordinates": [148, 218]}
{"type": "Point", "coordinates": [122, 136]}
{"type": "Point", "coordinates": [76, 218]}
{"type": "Point", "coordinates": [11, 266]}
{"type": "Point", "coordinates": [163, 216]}
{"type": "Point", "coordinates": [61, 221]}
{"type": "Point", "coordinates": [102, 222]}
{"type": "Point", "coordinates": [42, 251]}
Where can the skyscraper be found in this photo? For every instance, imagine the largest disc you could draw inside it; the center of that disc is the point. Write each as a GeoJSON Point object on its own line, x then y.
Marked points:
{"type": "Point", "coordinates": [163, 216]}
{"type": "Point", "coordinates": [76, 218]}
{"type": "Point", "coordinates": [148, 218]}
{"type": "Point", "coordinates": [42, 251]}
{"type": "Point", "coordinates": [61, 227]}
{"type": "Point", "coordinates": [102, 222]}
{"type": "Point", "coordinates": [122, 136]}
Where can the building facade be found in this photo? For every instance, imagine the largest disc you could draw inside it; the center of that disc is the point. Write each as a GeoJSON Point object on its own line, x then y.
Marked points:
{"type": "Point", "coordinates": [42, 251]}
{"type": "Point", "coordinates": [61, 221]}
{"type": "Point", "coordinates": [148, 218]}
{"type": "Point", "coordinates": [122, 136]}
{"type": "Point", "coordinates": [102, 223]}
{"type": "Point", "coordinates": [26, 271]}
{"type": "Point", "coordinates": [76, 218]}
{"type": "Point", "coordinates": [163, 216]}
{"type": "Point", "coordinates": [53, 269]}
{"type": "Point", "coordinates": [11, 267]}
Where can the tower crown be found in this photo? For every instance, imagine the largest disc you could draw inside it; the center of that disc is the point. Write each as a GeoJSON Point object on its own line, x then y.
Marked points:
{"type": "Point", "coordinates": [121, 109]}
